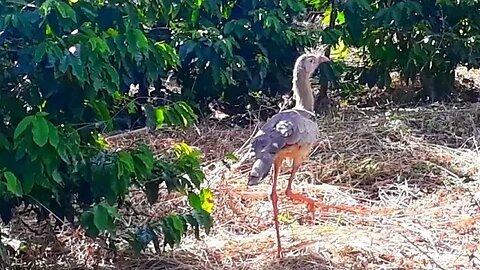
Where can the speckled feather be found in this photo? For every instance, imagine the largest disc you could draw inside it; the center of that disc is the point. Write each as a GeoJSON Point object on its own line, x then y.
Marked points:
{"type": "Point", "coordinates": [289, 127]}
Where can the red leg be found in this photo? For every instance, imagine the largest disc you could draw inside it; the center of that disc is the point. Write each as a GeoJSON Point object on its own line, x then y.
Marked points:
{"type": "Point", "coordinates": [299, 197]}
{"type": "Point", "coordinates": [274, 197]}
{"type": "Point", "coordinates": [312, 204]}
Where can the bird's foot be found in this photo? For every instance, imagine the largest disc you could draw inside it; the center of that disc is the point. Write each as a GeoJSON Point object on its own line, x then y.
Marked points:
{"type": "Point", "coordinates": [312, 205]}
{"type": "Point", "coordinates": [299, 197]}
{"type": "Point", "coordinates": [279, 253]}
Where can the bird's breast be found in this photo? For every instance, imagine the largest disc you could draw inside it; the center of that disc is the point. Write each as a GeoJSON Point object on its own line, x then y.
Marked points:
{"type": "Point", "coordinates": [294, 152]}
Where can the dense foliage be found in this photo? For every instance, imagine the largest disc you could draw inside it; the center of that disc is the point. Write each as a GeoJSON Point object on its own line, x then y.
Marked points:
{"type": "Point", "coordinates": [425, 39]}
{"type": "Point", "coordinates": [233, 47]}
{"type": "Point", "coordinates": [66, 71]}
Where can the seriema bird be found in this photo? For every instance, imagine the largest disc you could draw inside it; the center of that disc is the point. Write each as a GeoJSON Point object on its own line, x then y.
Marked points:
{"type": "Point", "coordinates": [288, 134]}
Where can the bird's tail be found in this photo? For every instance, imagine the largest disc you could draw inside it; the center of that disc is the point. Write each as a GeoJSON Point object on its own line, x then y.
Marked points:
{"type": "Point", "coordinates": [260, 169]}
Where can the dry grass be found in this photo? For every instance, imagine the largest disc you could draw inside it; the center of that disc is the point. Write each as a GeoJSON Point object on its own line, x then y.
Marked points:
{"type": "Point", "coordinates": [421, 164]}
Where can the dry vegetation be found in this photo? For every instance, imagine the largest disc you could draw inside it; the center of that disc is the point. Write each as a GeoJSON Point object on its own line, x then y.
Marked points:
{"type": "Point", "coordinates": [415, 171]}
{"type": "Point", "coordinates": [422, 165]}
{"type": "Point", "coordinates": [413, 174]}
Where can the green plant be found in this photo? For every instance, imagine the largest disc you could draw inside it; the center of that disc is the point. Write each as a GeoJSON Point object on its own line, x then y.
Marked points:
{"type": "Point", "coordinates": [233, 47]}
{"type": "Point", "coordinates": [66, 68]}
{"type": "Point", "coordinates": [425, 39]}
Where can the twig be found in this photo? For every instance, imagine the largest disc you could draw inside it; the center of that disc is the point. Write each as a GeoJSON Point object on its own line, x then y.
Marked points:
{"type": "Point", "coordinates": [422, 251]}
{"type": "Point", "coordinates": [127, 134]}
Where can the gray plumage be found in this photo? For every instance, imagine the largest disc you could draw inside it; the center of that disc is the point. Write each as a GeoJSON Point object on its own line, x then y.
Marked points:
{"type": "Point", "coordinates": [289, 127]}
{"type": "Point", "coordinates": [288, 135]}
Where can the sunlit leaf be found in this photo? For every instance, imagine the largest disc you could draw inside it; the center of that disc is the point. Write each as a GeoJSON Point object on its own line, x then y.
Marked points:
{"type": "Point", "coordinates": [206, 196]}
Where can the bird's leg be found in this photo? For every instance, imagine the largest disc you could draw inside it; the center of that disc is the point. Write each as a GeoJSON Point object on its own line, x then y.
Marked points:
{"type": "Point", "coordinates": [299, 197]}
{"type": "Point", "coordinates": [274, 197]}
{"type": "Point", "coordinates": [311, 204]}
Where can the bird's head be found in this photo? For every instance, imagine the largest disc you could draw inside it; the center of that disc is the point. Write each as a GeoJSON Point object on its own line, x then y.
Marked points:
{"type": "Point", "coordinates": [309, 62]}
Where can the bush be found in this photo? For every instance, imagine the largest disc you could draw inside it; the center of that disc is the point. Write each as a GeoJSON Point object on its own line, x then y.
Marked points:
{"type": "Point", "coordinates": [230, 48]}
{"type": "Point", "coordinates": [66, 68]}
{"type": "Point", "coordinates": [427, 38]}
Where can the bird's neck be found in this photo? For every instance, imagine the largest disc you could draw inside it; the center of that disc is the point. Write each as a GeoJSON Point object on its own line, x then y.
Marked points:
{"type": "Point", "coordinates": [303, 92]}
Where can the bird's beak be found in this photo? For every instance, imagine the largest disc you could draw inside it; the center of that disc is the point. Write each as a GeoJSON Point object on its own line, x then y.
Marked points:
{"type": "Point", "coordinates": [323, 59]}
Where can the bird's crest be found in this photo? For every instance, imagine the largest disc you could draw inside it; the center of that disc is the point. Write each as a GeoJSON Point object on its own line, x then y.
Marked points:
{"type": "Point", "coordinates": [319, 50]}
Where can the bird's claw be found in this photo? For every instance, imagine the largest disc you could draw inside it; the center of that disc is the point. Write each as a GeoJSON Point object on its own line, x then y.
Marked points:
{"type": "Point", "coordinates": [311, 209]}
{"type": "Point", "coordinates": [299, 197]}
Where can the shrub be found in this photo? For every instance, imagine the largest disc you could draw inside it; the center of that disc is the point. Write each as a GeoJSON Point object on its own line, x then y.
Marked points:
{"type": "Point", "coordinates": [66, 67]}
{"type": "Point", "coordinates": [229, 48]}
{"type": "Point", "coordinates": [427, 38]}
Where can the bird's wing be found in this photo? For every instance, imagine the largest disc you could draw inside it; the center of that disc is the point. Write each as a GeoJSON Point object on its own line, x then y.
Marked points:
{"type": "Point", "coordinates": [286, 128]}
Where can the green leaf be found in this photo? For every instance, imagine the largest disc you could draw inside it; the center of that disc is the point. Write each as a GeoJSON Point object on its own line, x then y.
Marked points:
{"type": "Point", "coordinates": [126, 159]}
{"type": "Point", "coordinates": [66, 11]}
{"type": "Point", "coordinates": [187, 108]}
{"type": "Point", "coordinates": [57, 177]}
{"type": "Point", "coordinates": [159, 116]}
{"type": "Point", "coordinates": [22, 126]}
{"type": "Point", "coordinates": [78, 68]}
{"type": "Point", "coordinates": [194, 201]}
{"type": "Point", "coordinates": [101, 110]}
{"type": "Point", "coordinates": [178, 224]}
{"type": "Point", "coordinates": [354, 23]}
{"type": "Point", "coordinates": [13, 185]}
{"type": "Point", "coordinates": [112, 211]}
{"type": "Point", "coordinates": [62, 152]}
{"type": "Point", "coordinates": [172, 117]}
{"type": "Point", "coordinates": [231, 156]}
{"type": "Point", "coordinates": [87, 221]}
{"type": "Point", "coordinates": [397, 15]}
{"type": "Point", "coordinates": [101, 218]}
{"type": "Point", "coordinates": [113, 75]}
{"type": "Point", "coordinates": [29, 178]}
{"type": "Point", "coordinates": [204, 219]}
{"type": "Point", "coordinates": [170, 237]}
{"type": "Point", "coordinates": [195, 15]}
{"type": "Point", "coordinates": [53, 135]}
{"type": "Point", "coordinates": [229, 27]}
{"type": "Point", "coordinates": [4, 143]}
{"type": "Point", "coordinates": [40, 52]}
{"type": "Point", "coordinates": [194, 223]}
{"type": "Point", "coordinates": [183, 114]}
{"type": "Point", "coordinates": [131, 107]}
{"type": "Point", "coordinates": [141, 39]}
{"type": "Point", "coordinates": [40, 131]}
{"type": "Point", "coordinates": [45, 8]}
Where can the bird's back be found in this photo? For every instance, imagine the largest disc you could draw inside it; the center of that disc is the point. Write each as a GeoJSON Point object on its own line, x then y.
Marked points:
{"type": "Point", "coordinates": [289, 131]}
